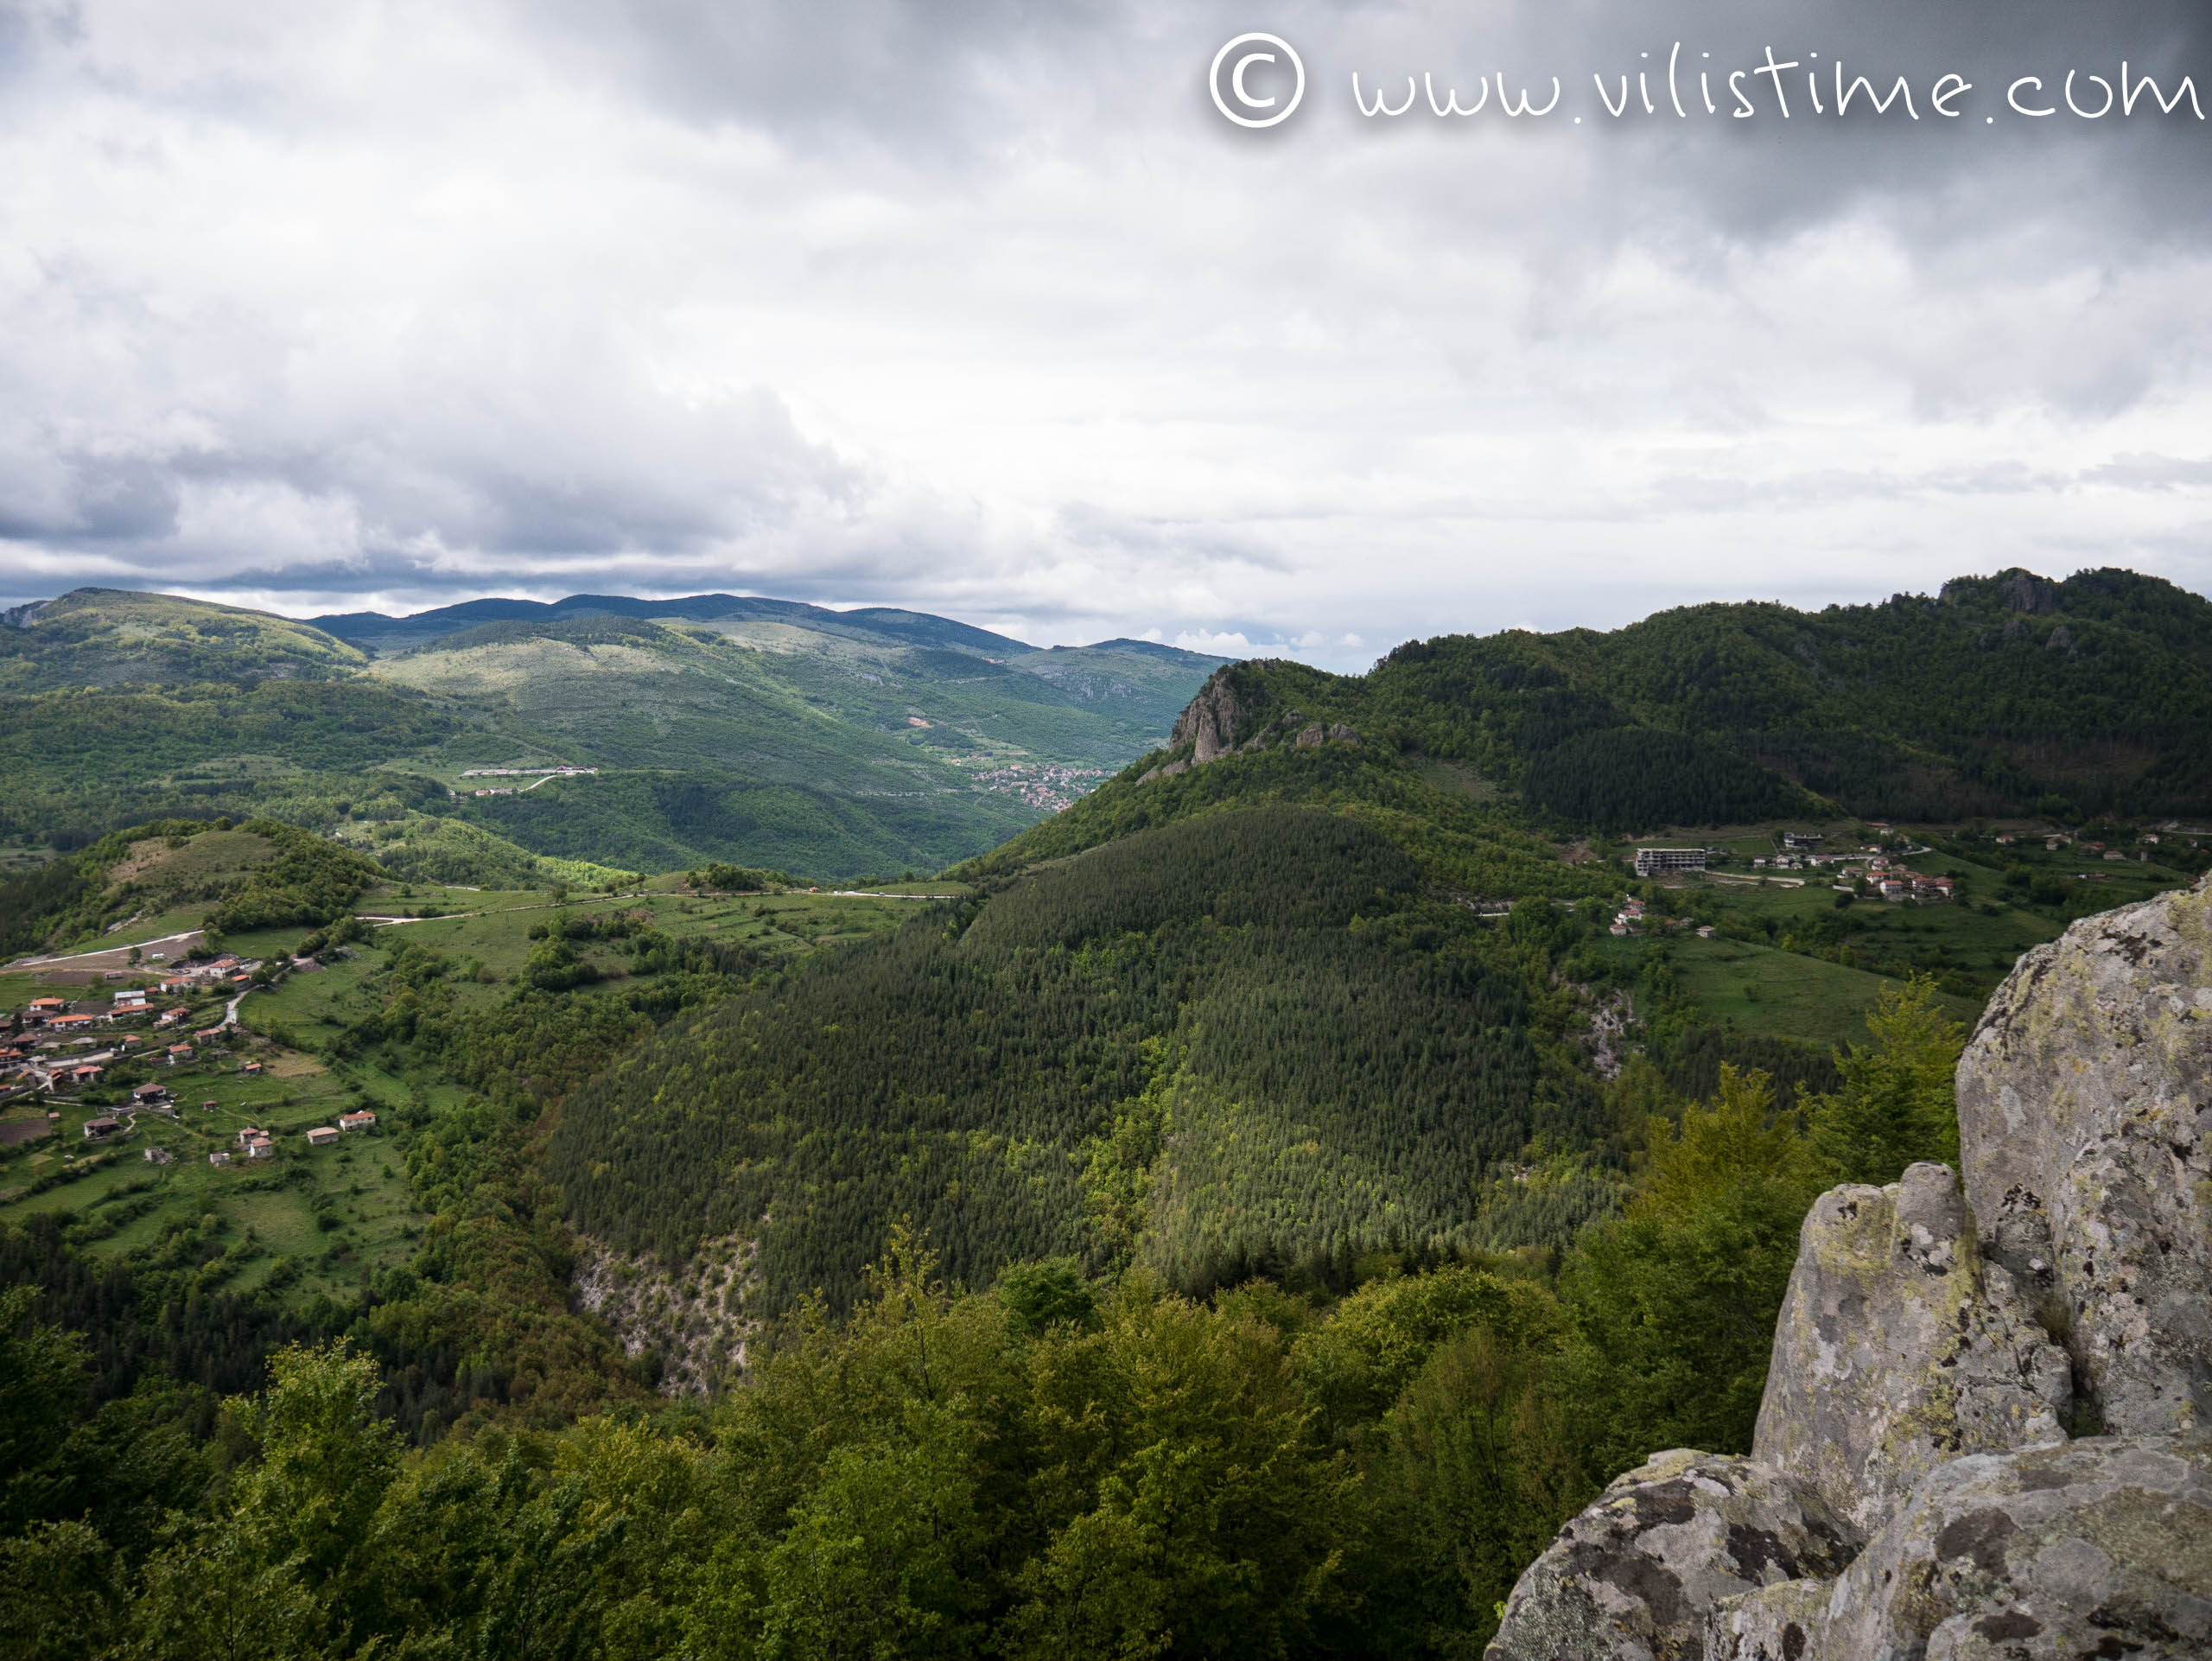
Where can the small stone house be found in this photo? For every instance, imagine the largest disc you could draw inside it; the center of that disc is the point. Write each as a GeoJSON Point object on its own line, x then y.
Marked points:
{"type": "Point", "coordinates": [322, 1136]}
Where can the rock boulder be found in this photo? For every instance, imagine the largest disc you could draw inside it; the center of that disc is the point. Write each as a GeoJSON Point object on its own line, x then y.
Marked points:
{"type": "Point", "coordinates": [1635, 1576]}
{"type": "Point", "coordinates": [2102, 1547]}
{"type": "Point", "coordinates": [2085, 1113]}
{"type": "Point", "coordinates": [1899, 1348]}
{"type": "Point", "coordinates": [1209, 721]}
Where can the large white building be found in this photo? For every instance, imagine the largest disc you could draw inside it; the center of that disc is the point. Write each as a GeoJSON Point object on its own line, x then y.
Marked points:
{"type": "Point", "coordinates": [1651, 862]}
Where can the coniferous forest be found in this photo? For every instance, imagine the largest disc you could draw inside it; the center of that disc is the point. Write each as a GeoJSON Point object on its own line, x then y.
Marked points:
{"type": "Point", "coordinates": [1243, 1215]}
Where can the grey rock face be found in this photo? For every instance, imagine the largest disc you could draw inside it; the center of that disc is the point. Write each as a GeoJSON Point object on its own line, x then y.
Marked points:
{"type": "Point", "coordinates": [1637, 1576]}
{"type": "Point", "coordinates": [1775, 1623]}
{"type": "Point", "coordinates": [2085, 1108]}
{"type": "Point", "coordinates": [1209, 721]}
{"type": "Point", "coordinates": [2095, 1548]}
{"type": "Point", "coordinates": [1899, 1348]}
{"type": "Point", "coordinates": [1915, 1395]}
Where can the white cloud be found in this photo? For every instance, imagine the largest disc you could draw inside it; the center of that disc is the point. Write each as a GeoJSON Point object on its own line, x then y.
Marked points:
{"type": "Point", "coordinates": [992, 315]}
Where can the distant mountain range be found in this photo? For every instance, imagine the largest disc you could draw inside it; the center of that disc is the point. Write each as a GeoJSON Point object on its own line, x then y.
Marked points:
{"type": "Point", "coordinates": [372, 631]}
{"type": "Point", "coordinates": [722, 727]}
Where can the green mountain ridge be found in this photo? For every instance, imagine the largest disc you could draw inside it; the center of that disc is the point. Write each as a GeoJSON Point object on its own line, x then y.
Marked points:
{"type": "Point", "coordinates": [761, 732]}
{"type": "Point", "coordinates": [1145, 1039]}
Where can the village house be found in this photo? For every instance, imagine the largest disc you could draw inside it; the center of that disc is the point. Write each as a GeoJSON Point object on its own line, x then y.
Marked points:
{"type": "Point", "coordinates": [82, 1075]}
{"type": "Point", "coordinates": [150, 1095]}
{"type": "Point", "coordinates": [170, 1017]}
{"type": "Point", "coordinates": [360, 1120]}
{"type": "Point", "coordinates": [175, 984]}
{"type": "Point", "coordinates": [322, 1136]}
{"type": "Point", "coordinates": [127, 1001]}
{"type": "Point", "coordinates": [101, 1129]}
{"type": "Point", "coordinates": [219, 1157]}
{"type": "Point", "coordinates": [262, 1149]}
{"type": "Point", "coordinates": [209, 1034]}
{"type": "Point", "coordinates": [47, 1008]}
{"type": "Point", "coordinates": [249, 1134]}
{"type": "Point", "coordinates": [1936, 889]}
{"type": "Point", "coordinates": [1892, 889]}
{"type": "Point", "coordinates": [157, 1156]}
{"type": "Point", "coordinates": [179, 1054]}
{"type": "Point", "coordinates": [70, 1023]}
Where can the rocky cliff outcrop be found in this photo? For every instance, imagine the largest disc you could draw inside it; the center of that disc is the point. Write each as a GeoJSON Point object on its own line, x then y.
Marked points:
{"type": "Point", "coordinates": [2085, 1101]}
{"type": "Point", "coordinates": [1210, 721]}
{"type": "Point", "coordinates": [1925, 1366]}
{"type": "Point", "coordinates": [1899, 1348]}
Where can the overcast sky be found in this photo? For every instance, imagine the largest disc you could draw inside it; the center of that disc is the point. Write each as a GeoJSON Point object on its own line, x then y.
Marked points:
{"type": "Point", "coordinates": [983, 307]}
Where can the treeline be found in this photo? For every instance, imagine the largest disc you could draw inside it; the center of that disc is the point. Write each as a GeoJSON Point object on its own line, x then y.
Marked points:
{"type": "Point", "coordinates": [1062, 1466]}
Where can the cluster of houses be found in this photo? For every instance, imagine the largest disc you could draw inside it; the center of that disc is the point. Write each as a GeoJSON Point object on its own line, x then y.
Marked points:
{"type": "Point", "coordinates": [1896, 884]}
{"type": "Point", "coordinates": [253, 1142]}
{"type": "Point", "coordinates": [1633, 918]}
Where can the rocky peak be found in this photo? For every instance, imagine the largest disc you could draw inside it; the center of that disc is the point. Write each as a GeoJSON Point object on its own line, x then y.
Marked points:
{"type": "Point", "coordinates": [1209, 724]}
{"type": "Point", "coordinates": [1929, 1343]}
{"type": "Point", "coordinates": [1209, 721]}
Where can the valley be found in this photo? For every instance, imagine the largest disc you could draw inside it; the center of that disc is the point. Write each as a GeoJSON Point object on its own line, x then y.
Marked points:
{"type": "Point", "coordinates": [1409, 1085]}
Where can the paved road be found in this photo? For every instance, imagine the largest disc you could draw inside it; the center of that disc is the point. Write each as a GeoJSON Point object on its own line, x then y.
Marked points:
{"type": "Point", "coordinates": [101, 951]}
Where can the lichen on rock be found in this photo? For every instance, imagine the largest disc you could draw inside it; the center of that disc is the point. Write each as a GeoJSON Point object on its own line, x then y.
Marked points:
{"type": "Point", "coordinates": [2085, 1113]}
{"type": "Point", "coordinates": [2102, 1547]}
{"type": "Point", "coordinates": [1635, 1576]}
{"type": "Point", "coordinates": [1897, 1348]}
{"type": "Point", "coordinates": [1917, 1398]}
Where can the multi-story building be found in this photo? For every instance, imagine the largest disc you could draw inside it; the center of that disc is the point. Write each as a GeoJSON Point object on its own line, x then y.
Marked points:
{"type": "Point", "coordinates": [1652, 862]}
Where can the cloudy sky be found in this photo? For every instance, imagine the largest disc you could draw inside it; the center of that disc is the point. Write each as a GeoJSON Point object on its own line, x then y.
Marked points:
{"type": "Point", "coordinates": [983, 307]}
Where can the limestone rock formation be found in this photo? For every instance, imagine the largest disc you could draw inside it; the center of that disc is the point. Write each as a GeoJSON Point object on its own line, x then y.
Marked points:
{"type": "Point", "coordinates": [1916, 1394]}
{"type": "Point", "coordinates": [1635, 1576]}
{"type": "Point", "coordinates": [1899, 1348]}
{"type": "Point", "coordinates": [2085, 1111]}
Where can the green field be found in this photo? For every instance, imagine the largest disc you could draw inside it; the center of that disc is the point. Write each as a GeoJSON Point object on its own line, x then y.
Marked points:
{"type": "Point", "coordinates": [323, 1221]}
{"type": "Point", "coordinates": [1760, 990]}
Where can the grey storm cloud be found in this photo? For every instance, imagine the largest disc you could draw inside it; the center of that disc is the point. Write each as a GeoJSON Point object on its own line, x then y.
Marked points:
{"type": "Point", "coordinates": [983, 307]}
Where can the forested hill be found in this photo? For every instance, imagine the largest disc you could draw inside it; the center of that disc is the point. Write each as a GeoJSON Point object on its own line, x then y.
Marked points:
{"type": "Point", "coordinates": [761, 732]}
{"type": "Point", "coordinates": [1241, 1006]}
{"type": "Point", "coordinates": [2010, 694]}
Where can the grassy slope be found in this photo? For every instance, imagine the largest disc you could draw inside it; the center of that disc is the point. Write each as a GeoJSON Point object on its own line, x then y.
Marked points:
{"type": "Point", "coordinates": [268, 1214]}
